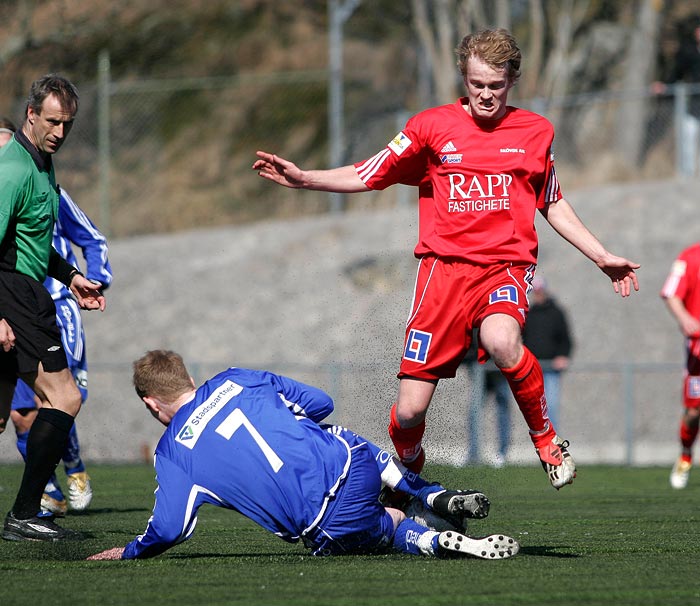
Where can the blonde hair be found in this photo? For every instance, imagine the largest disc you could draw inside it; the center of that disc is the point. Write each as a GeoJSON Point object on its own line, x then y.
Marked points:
{"type": "Point", "coordinates": [161, 374]}
{"type": "Point", "coordinates": [496, 47]}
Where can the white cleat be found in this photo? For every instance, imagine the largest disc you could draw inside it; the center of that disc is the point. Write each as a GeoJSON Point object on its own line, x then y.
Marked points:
{"type": "Point", "coordinates": [680, 473]}
{"type": "Point", "coordinates": [493, 547]}
{"type": "Point", "coordinates": [79, 490]}
{"type": "Point", "coordinates": [557, 462]}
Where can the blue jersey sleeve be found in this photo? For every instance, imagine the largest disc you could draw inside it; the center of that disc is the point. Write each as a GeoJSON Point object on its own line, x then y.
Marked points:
{"type": "Point", "coordinates": [303, 399]}
{"type": "Point", "coordinates": [75, 226]}
{"type": "Point", "coordinates": [174, 514]}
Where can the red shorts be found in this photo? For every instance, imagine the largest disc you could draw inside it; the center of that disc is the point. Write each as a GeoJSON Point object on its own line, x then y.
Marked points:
{"type": "Point", "coordinates": [451, 298]}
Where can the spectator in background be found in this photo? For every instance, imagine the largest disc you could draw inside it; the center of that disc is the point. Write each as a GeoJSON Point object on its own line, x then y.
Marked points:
{"type": "Point", "coordinates": [685, 68]}
{"type": "Point", "coordinates": [546, 334]}
{"type": "Point", "coordinates": [486, 380]}
{"type": "Point", "coordinates": [681, 292]}
{"type": "Point", "coordinates": [72, 227]}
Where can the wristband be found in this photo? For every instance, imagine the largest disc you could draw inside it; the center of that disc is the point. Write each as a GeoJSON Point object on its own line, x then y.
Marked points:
{"type": "Point", "coordinates": [72, 274]}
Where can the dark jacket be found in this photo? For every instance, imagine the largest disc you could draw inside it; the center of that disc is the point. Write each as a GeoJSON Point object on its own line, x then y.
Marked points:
{"type": "Point", "coordinates": [546, 333]}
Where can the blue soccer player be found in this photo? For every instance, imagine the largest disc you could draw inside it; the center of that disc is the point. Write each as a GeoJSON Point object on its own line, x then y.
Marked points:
{"type": "Point", "coordinates": [72, 226]}
{"type": "Point", "coordinates": [253, 441]}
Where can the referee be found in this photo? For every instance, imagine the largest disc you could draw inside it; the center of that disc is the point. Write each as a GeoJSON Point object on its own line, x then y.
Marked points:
{"type": "Point", "coordinates": [30, 342]}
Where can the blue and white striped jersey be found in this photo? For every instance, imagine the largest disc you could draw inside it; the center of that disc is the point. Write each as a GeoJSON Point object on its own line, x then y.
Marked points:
{"type": "Point", "coordinates": [73, 225]}
{"type": "Point", "coordinates": [247, 441]}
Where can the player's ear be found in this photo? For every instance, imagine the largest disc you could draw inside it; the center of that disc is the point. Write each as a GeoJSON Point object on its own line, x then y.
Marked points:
{"type": "Point", "coordinates": [152, 405]}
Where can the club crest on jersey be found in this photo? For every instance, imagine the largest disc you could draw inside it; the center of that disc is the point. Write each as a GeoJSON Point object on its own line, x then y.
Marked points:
{"type": "Point", "coordinates": [205, 412]}
{"type": "Point", "coordinates": [417, 346]}
{"type": "Point", "coordinates": [504, 294]}
{"type": "Point", "coordinates": [399, 143]}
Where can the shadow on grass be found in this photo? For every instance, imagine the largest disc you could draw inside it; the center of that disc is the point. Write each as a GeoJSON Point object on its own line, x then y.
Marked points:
{"type": "Point", "coordinates": [91, 511]}
{"type": "Point", "coordinates": [548, 551]}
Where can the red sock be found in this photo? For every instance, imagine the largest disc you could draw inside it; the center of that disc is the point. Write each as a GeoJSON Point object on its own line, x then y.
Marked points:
{"type": "Point", "coordinates": [688, 435]}
{"type": "Point", "coordinates": [527, 384]}
{"type": "Point", "coordinates": [407, 442]}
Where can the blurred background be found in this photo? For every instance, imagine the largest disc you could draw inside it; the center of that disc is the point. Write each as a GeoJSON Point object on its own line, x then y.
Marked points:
{"type": "Point", "coordinates": [209, 259]}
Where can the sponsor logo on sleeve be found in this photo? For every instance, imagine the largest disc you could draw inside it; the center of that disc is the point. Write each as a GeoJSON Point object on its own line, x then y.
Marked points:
{"type": "Point", "coordinates": [399, 144]}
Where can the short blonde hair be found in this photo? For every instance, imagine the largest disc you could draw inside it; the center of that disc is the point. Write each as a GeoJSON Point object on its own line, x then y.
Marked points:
{"type": "Point", "coordinates": [161, 374]}
{"type": "Point", "coordinates": [496, 47]}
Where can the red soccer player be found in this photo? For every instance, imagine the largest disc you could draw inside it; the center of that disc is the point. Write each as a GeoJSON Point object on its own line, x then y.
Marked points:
{"type": "Point", "coordinates": [483, 168]}
{"type": "Point", "coordinates": [681, 292]}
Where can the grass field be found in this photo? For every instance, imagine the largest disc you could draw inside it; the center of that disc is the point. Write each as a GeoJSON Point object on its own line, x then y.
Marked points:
{"type": "Point", "coordinates": [617, 536]}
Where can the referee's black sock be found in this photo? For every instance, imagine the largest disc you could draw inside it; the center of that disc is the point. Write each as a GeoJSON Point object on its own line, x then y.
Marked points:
{"type": "Point", "coordinates": [45, 445]}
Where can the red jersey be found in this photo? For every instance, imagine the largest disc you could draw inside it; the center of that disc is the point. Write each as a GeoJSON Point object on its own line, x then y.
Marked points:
{"type": "Point", "coordinates": [479, 184]}
{"type": "Point", "coordinates": [683, 280]}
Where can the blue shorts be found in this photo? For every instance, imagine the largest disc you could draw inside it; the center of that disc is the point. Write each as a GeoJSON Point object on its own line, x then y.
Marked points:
{"type": "Point", "coordinates": [73, 339]}
{"type": "Point", "coordinates": [355, 522]}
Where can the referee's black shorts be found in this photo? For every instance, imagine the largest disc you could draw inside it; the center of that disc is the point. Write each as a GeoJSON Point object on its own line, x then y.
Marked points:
{"type": "Point", "coordinates": [28, 308]}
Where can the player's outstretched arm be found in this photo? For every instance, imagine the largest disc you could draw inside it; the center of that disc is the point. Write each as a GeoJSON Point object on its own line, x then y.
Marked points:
{"type": "Point", "coordinates": [622, 272]}
{"type": "Point", "coordinates": [283, 172]}
{"type": "Point", "coordinates": [108, 554]}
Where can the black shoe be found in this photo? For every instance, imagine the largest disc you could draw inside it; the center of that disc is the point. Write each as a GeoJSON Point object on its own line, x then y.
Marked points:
{"type": "Point", "coordinates": [461, 503]}
{"type": "Point", "coordinates": [36, 529]}
{"type": "Point", "coordinates": [394, 498]}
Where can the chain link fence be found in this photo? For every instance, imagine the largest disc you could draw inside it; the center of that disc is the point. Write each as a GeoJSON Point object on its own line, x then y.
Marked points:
{"type": "Point", "coordinates": [158, 156]}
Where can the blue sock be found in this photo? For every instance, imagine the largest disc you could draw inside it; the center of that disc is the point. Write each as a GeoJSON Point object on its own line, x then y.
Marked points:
{"type": "Point", "coordinates": [22, 443]}
{"type": "Point", "coordinates": [71, 457]}
{"type": "Point", "coordinates": [411, 537]}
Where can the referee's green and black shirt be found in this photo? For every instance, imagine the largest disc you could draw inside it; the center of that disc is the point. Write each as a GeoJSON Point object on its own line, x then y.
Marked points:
{"type": "Point", "coordinates": [28, 209]}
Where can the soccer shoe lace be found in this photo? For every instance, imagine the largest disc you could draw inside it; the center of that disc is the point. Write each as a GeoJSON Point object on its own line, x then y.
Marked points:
{"type": "Point", "coordinates": [36, 529]}
{"type": "Point", "coordinates": [53, 502]}
{"type": "Point", "coordinates": [557, 462]}
{"type": "Point", "coordinates": [680, 473]}
{"type": "Point", "coordinates": [493, 547]}
{"type": "Point", "coordinates": [79, 490]}
{"type": "Point", "coordinates": [460, 503]}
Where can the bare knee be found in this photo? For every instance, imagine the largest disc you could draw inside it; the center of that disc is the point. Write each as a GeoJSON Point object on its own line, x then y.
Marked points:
{"type": "Point", "coordinates": [58, 390]}
{"type": "Point", "coordinates": [397, 516]}
{"type": "Point", "coordinates": [413, 401]}
{"type": "Point", "coordinates": [500, 336]}
{"type": "Point", "coordinates": [692, 416]}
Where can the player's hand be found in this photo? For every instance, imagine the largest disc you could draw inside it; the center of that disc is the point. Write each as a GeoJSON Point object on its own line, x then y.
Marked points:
{"type": "Point", "coordinates": [622, 274]}
{"type": "Point", "coordinates": [279, 170]}
{"type": "Point", "coordinates": [108, 554]}
{"type": "Point", "coordinates": [87, 293]}
{"type": "Point", "coordinates": [7, 336]}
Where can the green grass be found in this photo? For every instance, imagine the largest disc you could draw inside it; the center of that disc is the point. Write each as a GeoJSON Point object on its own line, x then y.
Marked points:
{"type": "Point", "coordinates": [617, 536]}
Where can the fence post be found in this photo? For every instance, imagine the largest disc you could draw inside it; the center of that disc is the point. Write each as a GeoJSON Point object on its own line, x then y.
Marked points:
{"type": "Point", "coordinates": [103, 139]}
{"type": "Point", "coordinates": [684, 155]}
{"type": "Point", "coordinates": [628, 399]}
